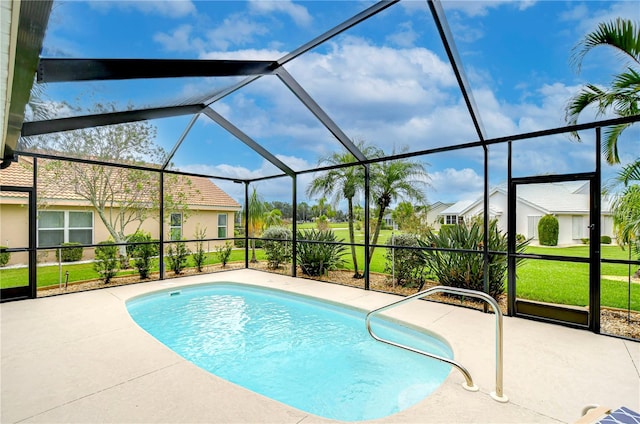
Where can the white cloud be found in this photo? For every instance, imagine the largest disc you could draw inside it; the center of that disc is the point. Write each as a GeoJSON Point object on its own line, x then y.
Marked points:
{"type": "Point", "coordinates": [405, 36]}
{"type": "Point", "coordinates": [235, 30]}
{"type": "Point", "coordinates": [482, 7]}
{"type": "Point", "coordinates": [298, 13]}
{"type": "Point", "coordinates": [170, 8]}
{"type": "Point", "coordinates": [179, 40]}
{"type": "Point", "coordinates": [451, 185]}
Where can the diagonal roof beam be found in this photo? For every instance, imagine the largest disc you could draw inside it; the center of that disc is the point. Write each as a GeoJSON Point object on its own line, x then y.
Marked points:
{"type": "Point", "coordinates": [220, 120]}
{"type": "Point", "coordinates": [86, 121]}
{"type": "Point", "coordinates": [354, 20]}
{"type": "Point", "coordinates": [176, 146]}
{"type": "Point", "coordinates": [454, 58]}
{"type": "Point", "coordinates": [61, 70]}
{"type": "Point", "coordinates": [306, 99]}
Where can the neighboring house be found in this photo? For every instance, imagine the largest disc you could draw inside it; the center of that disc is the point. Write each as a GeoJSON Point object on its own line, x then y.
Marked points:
{"type": "Point", "coordinates": [567, 201]}
{"type": "Point", "coordinates": [68, 217]}
{"type": "Point", "coordinates": [434, 212]}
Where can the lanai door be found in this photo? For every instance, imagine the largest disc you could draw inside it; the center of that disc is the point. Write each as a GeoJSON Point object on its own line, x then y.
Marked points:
{"type": "Point", "coordinates": [558, 283]}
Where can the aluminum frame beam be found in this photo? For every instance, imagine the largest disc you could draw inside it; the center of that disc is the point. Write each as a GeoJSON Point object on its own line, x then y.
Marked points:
{"type": "Point", "coordinates": [320, 114]}
{"type": "Point", "coordinates": [100, 119]}
{"type": "Point", "coordinates": [28, 25]}
{"type": "Point", "coordinates": [63, 70]}
{"type": "Point", "coordinates": [236, 132]}
{"type": "Point", "coordinates": [454, 58]}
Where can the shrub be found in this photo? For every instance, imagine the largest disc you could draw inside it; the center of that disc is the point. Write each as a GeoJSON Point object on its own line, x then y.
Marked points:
{"type": "Point", "coordinates": [447, 227]}
{"type": "Point", "coordinates": [106, 263]}
{"type": "Point", "coordinates": [320, 256]}
{"type": "Point", "coordinates": [4, 256]}
{"type": "Point", "coordinates": [407, 265]}
{"type": "Point", "coordinates": [605, 240]}
{"type": "Point", "coordinates": [140, 236]}
{"type": "Point", "coordinates": [548, 229]}
{"type": "Point", "coordinates": [223, 252]}
{"type": "Point", "coordinates": [585, 240]}
{"type": "Point", "coordinates": [520, 238]}
{"type": "Point", "coordinates": [69, 254]}
{"type": "Point", "coordinates": [177, 254]}
{"type": "Point", "coordinates": [199, 255]}
{"type": "Point", "coordinates": [142, 253]}
{"type": "Point", "coordinates": [277, 251]}
{"type": "Point", "coordinates": [466, 269]}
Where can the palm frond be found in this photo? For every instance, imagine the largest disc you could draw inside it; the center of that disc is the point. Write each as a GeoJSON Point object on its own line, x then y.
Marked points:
{"type": "Point", "coordinates": [630, 173]}
{"type": "Point", "coordinates": [621, 34]}
{"type": "Point", "coordinates": [610, 145]}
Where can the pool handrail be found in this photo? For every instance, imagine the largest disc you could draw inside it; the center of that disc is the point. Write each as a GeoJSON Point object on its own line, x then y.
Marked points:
{"type": "Point", "coordinates": [498, 395]}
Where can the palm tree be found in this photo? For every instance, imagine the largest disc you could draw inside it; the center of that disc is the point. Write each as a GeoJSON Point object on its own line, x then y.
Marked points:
{"type": "Point", "coordinates": [626, 218]}
{"type": "Point", "coordinates": [344, 183]}
{"type": "Point", "coordinates": [256, 220]}
{"type": "Point", "coordinates": [392, 180]}
{"type": "Point", "coordinates": [623, 96]}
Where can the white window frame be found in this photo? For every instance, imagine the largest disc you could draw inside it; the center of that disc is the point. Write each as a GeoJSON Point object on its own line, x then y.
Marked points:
{"type": "Point", "coordinates": [223, 226]}
{"type": "Point", "coordinates": [175, 227]}
{"type": "Point", "coordinates": [65, 225]}
{"type": "Point", "coordinates": [532, 226]}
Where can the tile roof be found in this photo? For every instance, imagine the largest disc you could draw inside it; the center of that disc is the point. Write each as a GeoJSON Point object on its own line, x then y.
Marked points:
{"type": "Point", "coordinates": [200, 192]}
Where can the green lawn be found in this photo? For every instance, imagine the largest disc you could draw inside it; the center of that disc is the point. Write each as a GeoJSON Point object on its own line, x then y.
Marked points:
{"type": "Point", "coordinates": [547, 281]}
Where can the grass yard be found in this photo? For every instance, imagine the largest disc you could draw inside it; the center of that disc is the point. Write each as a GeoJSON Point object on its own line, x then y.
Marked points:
{"type": "Point", "coordinates": [546, 281]}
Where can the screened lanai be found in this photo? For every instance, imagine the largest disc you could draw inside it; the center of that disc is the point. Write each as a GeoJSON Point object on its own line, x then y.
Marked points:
{"type": "Point", "coordinates": [269, 97]}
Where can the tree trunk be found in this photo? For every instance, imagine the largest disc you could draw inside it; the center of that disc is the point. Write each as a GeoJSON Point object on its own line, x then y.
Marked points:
{"type": "Point", "coordinates": [376, 233]}
{"type": "Point", "coordinates": [253, 252]}
{"type": "Point", "coordinates": [352, 239]}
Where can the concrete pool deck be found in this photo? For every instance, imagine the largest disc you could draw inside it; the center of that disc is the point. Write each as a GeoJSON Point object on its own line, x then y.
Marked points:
{"type": "Point", "coordinates": [80, 358]}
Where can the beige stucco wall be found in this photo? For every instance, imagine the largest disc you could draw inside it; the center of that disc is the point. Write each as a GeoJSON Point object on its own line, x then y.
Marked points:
{"type": "Point", "coordinates": [14, 225]}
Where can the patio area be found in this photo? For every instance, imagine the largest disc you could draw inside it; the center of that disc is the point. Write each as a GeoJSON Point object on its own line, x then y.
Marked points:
{"type": "Point", "coordinates": [81, 358]}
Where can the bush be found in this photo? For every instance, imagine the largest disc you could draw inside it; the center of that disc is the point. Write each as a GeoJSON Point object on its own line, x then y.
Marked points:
{"type": "Point", "coordinates": [177, 254]}
{"type": "Point", "coordinates": [407, 265]}
{"type": "Point", "coordinates": [199, 255]}
{"type": "Point", "coordinates": [605, 240]}
{"type": "Point", "coordinates": [137, 237]}
{"type": "Point", "coordinates": [69, 254]}
{"type": "Point", "coordinates": [106, 263]}
{"type": "Point", "coordinates": [277, 252]}
{"type": "Point", "coordinates": [520, 238]}
{"type": "Point", "coordinates": [317, 258]}
{"type": "Point", "coordinates": [585, 240]}
{"type": "Point", "coordinates": [548, 229]}
{"type": "Point", "coordinates": [465, 269]}
{"type": "Point", "coordinates": [142, 253]}
{"type": "Point", "coordinates": [224, 253]}
{"type": "Point", "coordinates": [447, 227]}
{"type": "Point", "coordinates": [4, 256]}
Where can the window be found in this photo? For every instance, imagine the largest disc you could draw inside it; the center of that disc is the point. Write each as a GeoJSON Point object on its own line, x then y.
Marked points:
{"type": "Point", "coordinates": [175, 226]}
{"type": "Point", "coordinates": [222, 225]}
{"type": "Point", "coordinates": [578, 228]}
{"type": "Point", "coordinates": [532, 226]}
{"type": "Point", "coordinates": [450, 219]}
{"type": "Point", "coordinates": [57, 227]}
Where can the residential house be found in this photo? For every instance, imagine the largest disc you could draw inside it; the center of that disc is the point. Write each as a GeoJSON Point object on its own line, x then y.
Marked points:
{"type": "Point", "coordinates": [567, 201]}
{"type": "Point", "coordinates": [64, 216]}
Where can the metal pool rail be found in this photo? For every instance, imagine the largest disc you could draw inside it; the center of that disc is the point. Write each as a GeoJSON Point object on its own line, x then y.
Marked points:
{"type": "Point", "coordinates": [498, 394]}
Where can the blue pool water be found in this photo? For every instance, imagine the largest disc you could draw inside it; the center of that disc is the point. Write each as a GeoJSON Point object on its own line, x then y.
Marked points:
{"type": "Point", "coordinates": [312, 355]}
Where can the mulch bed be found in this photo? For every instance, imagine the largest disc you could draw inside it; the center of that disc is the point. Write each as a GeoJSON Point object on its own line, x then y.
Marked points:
{"type": "Point", "coordinates": [613, 321]}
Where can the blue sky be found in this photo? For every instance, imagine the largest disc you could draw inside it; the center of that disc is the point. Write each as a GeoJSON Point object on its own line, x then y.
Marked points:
{"type": "Point", "coordinates": [386, 81]}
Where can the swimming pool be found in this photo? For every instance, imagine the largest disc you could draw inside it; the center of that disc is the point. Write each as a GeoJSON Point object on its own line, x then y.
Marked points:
{"type": "Point", "coordinates": [313, 355]}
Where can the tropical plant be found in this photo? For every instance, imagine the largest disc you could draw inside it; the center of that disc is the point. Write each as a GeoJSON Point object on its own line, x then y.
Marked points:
{"type": "Point", "coordinates": [466, 269]}
{"type": "Point", "coordinates": [273, 218]}
{"type": "Point", "coordinates": [277, 246]}
{"type": "Point", "coordinates": [626, 218]}
{"type": "Point", "coordinates": [177, 254]}
{"type": "Point", "coordinates": [106, 260]}
{"type": "Point", "coordinates": [4, 256]}
{"type": "Point", "coordinates": [406, 265]}
{"type": "Point", "coordinates": [318, 251]}
{"type": "Point", "coordinates": [622, 97]}
{"type": "Point", "coordinates": [69, 252]}
{"type": "Point", "coordinates": [199, 255]}
{"type": "Point", "coordinates": [223, 252]}
{"type": "Point", "coordinates": [392, 180]}
{"type": "Point", "coordinates": [548, 229]}
{"type": "Point", "coordinates": [344, 183]}
{"type": "Point", "coordinates": [143, 252]}
{"type": "Point", "coordinates": [256, 220]}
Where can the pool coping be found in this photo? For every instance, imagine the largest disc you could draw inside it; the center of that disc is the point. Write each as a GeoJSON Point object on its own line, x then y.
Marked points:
{"type": "Point", "coordinates": [101, 367]}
